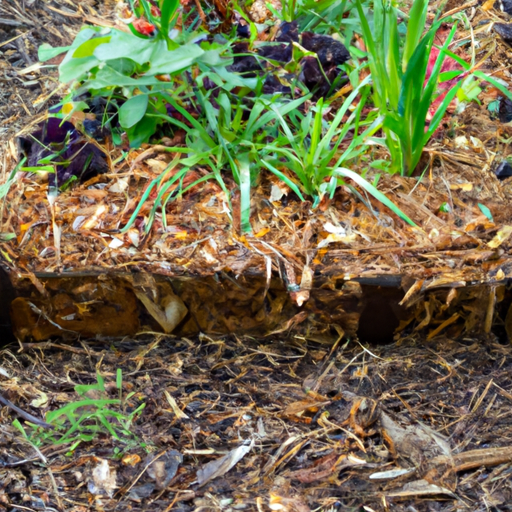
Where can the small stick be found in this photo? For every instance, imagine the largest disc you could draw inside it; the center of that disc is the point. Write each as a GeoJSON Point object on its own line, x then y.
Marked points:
{"type": "Point", "coordinates": [25, 415]}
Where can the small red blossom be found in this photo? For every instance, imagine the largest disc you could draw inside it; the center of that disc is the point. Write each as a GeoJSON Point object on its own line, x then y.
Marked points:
{"type": "Point", "coordinates": [143, 27]}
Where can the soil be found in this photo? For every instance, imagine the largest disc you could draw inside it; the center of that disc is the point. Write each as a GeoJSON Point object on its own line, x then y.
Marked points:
{"type": "Point", "coordinates": [304, 414]}
{"type": "Point", "coordinates": [322, 422]}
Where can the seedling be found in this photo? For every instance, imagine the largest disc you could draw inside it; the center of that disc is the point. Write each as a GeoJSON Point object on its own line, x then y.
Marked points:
{"type": "Point", "coordinates": [89, 418]}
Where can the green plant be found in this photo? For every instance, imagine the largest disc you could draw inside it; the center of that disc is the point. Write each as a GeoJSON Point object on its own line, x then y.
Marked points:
{"type": "Point", "coordinates": [288, 10]}
{"type": "Point", "coordinates": [327, 17]}
{"type": "Point", "coordinates": [399, 75]}
{"type": "Point", "coordinates": [322, 15]}
{"type": "Point", "coordinates": [228, 136]}
{"type": "Point", "coordinates": [405, 90]}
{"type": "Point", "coordinates": [307, 155]}
{"type": "Point", "coordinates": [4, 190]}
{"type": "Point", "coordinates": [135, 72]}
{"type": "Point", "coordinates": [86, 419]}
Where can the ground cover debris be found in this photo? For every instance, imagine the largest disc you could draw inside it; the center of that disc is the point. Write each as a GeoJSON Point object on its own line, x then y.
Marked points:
{"type": "Point", "coordinates": [255, 256]}
{"type": "Point", "coordinates": [240, 424]}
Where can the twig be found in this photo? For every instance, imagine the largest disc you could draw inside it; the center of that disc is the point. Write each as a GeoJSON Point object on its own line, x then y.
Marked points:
{"type": "Point", "coordinates": [25, 415]}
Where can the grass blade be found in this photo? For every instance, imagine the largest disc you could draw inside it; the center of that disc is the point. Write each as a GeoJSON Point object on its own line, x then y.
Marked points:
{"type": "Point", "coordinates": [347, 173]}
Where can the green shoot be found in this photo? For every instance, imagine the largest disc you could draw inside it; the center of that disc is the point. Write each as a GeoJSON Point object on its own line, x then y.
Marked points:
{"type": "Point", "coordinates": [88, 418]}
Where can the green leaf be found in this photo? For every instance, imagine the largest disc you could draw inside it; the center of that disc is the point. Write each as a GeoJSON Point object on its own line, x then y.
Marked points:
{"type": "Point", "coordinates": [75, 69]}
{"type": "Point", "coordinates": [124, 44]}
{"type": "Point", "coordinates": [108, 77]}
{"type": "Point", "coordinates": [415, 27]}
{"type": "Point", "coordinates": [169, 62]}
{"type": "Point", "coordinates": [46, 52]}
{"type": "Point", "coordinates": [284, 178]}
{"type": "Point", "coordinates": [486, 211]}
{"type": "Point", "coordinates": [494, 83]}
{"type": "Point", "coordinates": [445, 208]}
{"type": "Point", "coordinates": [133, 110]}
{"type": "Point", "coordinates": [142, 131]}
{"type": "Point", "coordinates": [153, 52]}
{"type": "Point", "coordinates": [72, 69]}
{"type": "Point", "coordinates": [347, 173]}
{"type": "Point", "coordinates": [87, 49]}
{"type": "Point", "coordinates": [168, 10]}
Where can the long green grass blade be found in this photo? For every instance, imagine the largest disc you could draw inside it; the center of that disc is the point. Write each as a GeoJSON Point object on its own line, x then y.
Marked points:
{"type": "Point", "coordinates": [284, 178]}
{"type": "Point", "coordinates": [168, 11]}
{"type": "Point", "coordinates": [347, 173]}
{"type": "Point", "coordinates": [315, 133]}
{"type": "Point", "coordinates": [415, 27]}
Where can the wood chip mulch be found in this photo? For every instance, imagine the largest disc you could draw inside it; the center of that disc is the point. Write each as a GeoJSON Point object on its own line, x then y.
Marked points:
{"type": "Point", "coordinates": [286, 424]}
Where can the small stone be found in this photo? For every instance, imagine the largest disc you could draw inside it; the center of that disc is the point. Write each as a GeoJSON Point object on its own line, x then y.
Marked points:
{"type": "Point", "coordinates": [503, 170]}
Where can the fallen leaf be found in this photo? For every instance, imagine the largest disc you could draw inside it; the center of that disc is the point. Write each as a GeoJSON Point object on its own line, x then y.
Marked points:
{"type": "Point", "coordinates": [221, 466]}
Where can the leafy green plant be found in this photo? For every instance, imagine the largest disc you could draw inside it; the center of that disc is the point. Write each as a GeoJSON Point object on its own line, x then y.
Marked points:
{"type": "Point", "coordinates": [227, 137]}
{"type": "Point", "coordinates": [399, 76]}
{"type": "Point", "coordinates": [307, 155]}
{"type": "Point", "coordinates": [134, 71]}
{"type": "Point", "coordinates": [404, 88]}
{"type": "Point", "coordinates": [307, 144]}
{"type": "Point", "coordinates": [86, 419]}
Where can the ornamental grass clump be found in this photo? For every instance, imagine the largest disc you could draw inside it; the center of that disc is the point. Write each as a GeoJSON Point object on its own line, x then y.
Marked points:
{"type": "Point", "coordinates": [403, 91]}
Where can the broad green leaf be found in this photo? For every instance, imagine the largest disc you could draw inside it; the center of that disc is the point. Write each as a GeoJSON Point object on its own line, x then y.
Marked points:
{"type": "Point", "coordinates": [46, 52]}
{"type": "Point", "coordinates": [124, 44]}
{"type": "Point", "coordinates": [142, 131]}
{"type": "Point", "coordinates": [75, 69]}
{"type": "Point", "coordinates": [87, 49]}
{"type": "Point", "coordinates": [133, 110]}
{"type": "Point", "coordinates": [72, 69]}
{"type": "Point", "coordinates": [169, 62]}
{"type": "Point", "coordinates": [107, 77]}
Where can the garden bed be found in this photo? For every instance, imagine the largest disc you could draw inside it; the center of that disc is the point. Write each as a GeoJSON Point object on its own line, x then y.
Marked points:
{"type": "Point", "coordinates": [460, 208]}
{"type": "Point", "coordinates": [182, 303]}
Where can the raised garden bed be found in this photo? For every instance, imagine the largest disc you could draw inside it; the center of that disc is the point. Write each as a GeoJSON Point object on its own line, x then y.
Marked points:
{"type": "Point", "coordinates": [342, 352]}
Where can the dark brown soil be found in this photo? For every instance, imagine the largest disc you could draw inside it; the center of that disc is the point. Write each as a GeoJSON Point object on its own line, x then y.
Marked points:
{"type": "Point", "coordinates": [318, 419]}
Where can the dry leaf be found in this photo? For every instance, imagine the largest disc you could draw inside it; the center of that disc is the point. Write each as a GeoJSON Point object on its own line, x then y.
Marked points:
{"type": "Point", "coordinates": [221, 466]}
{"type": "Point", "coordinates": [103, 479]}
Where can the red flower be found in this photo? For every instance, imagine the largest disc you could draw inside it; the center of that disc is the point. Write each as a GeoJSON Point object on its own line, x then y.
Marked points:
{"type": "Point", "coordinates": [143, 27]}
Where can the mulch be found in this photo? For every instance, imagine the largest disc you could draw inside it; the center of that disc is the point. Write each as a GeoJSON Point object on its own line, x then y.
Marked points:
{"type": "Point", "coordinates": [411, 426]}
{"type": "Point", "coordinates": [301, 419]}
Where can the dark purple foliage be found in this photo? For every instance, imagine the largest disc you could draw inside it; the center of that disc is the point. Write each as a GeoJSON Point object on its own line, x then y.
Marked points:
{"type": "Point", "coordinates": [73, 154]}
{"type": "Point", "coordinates": [331, 54]}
